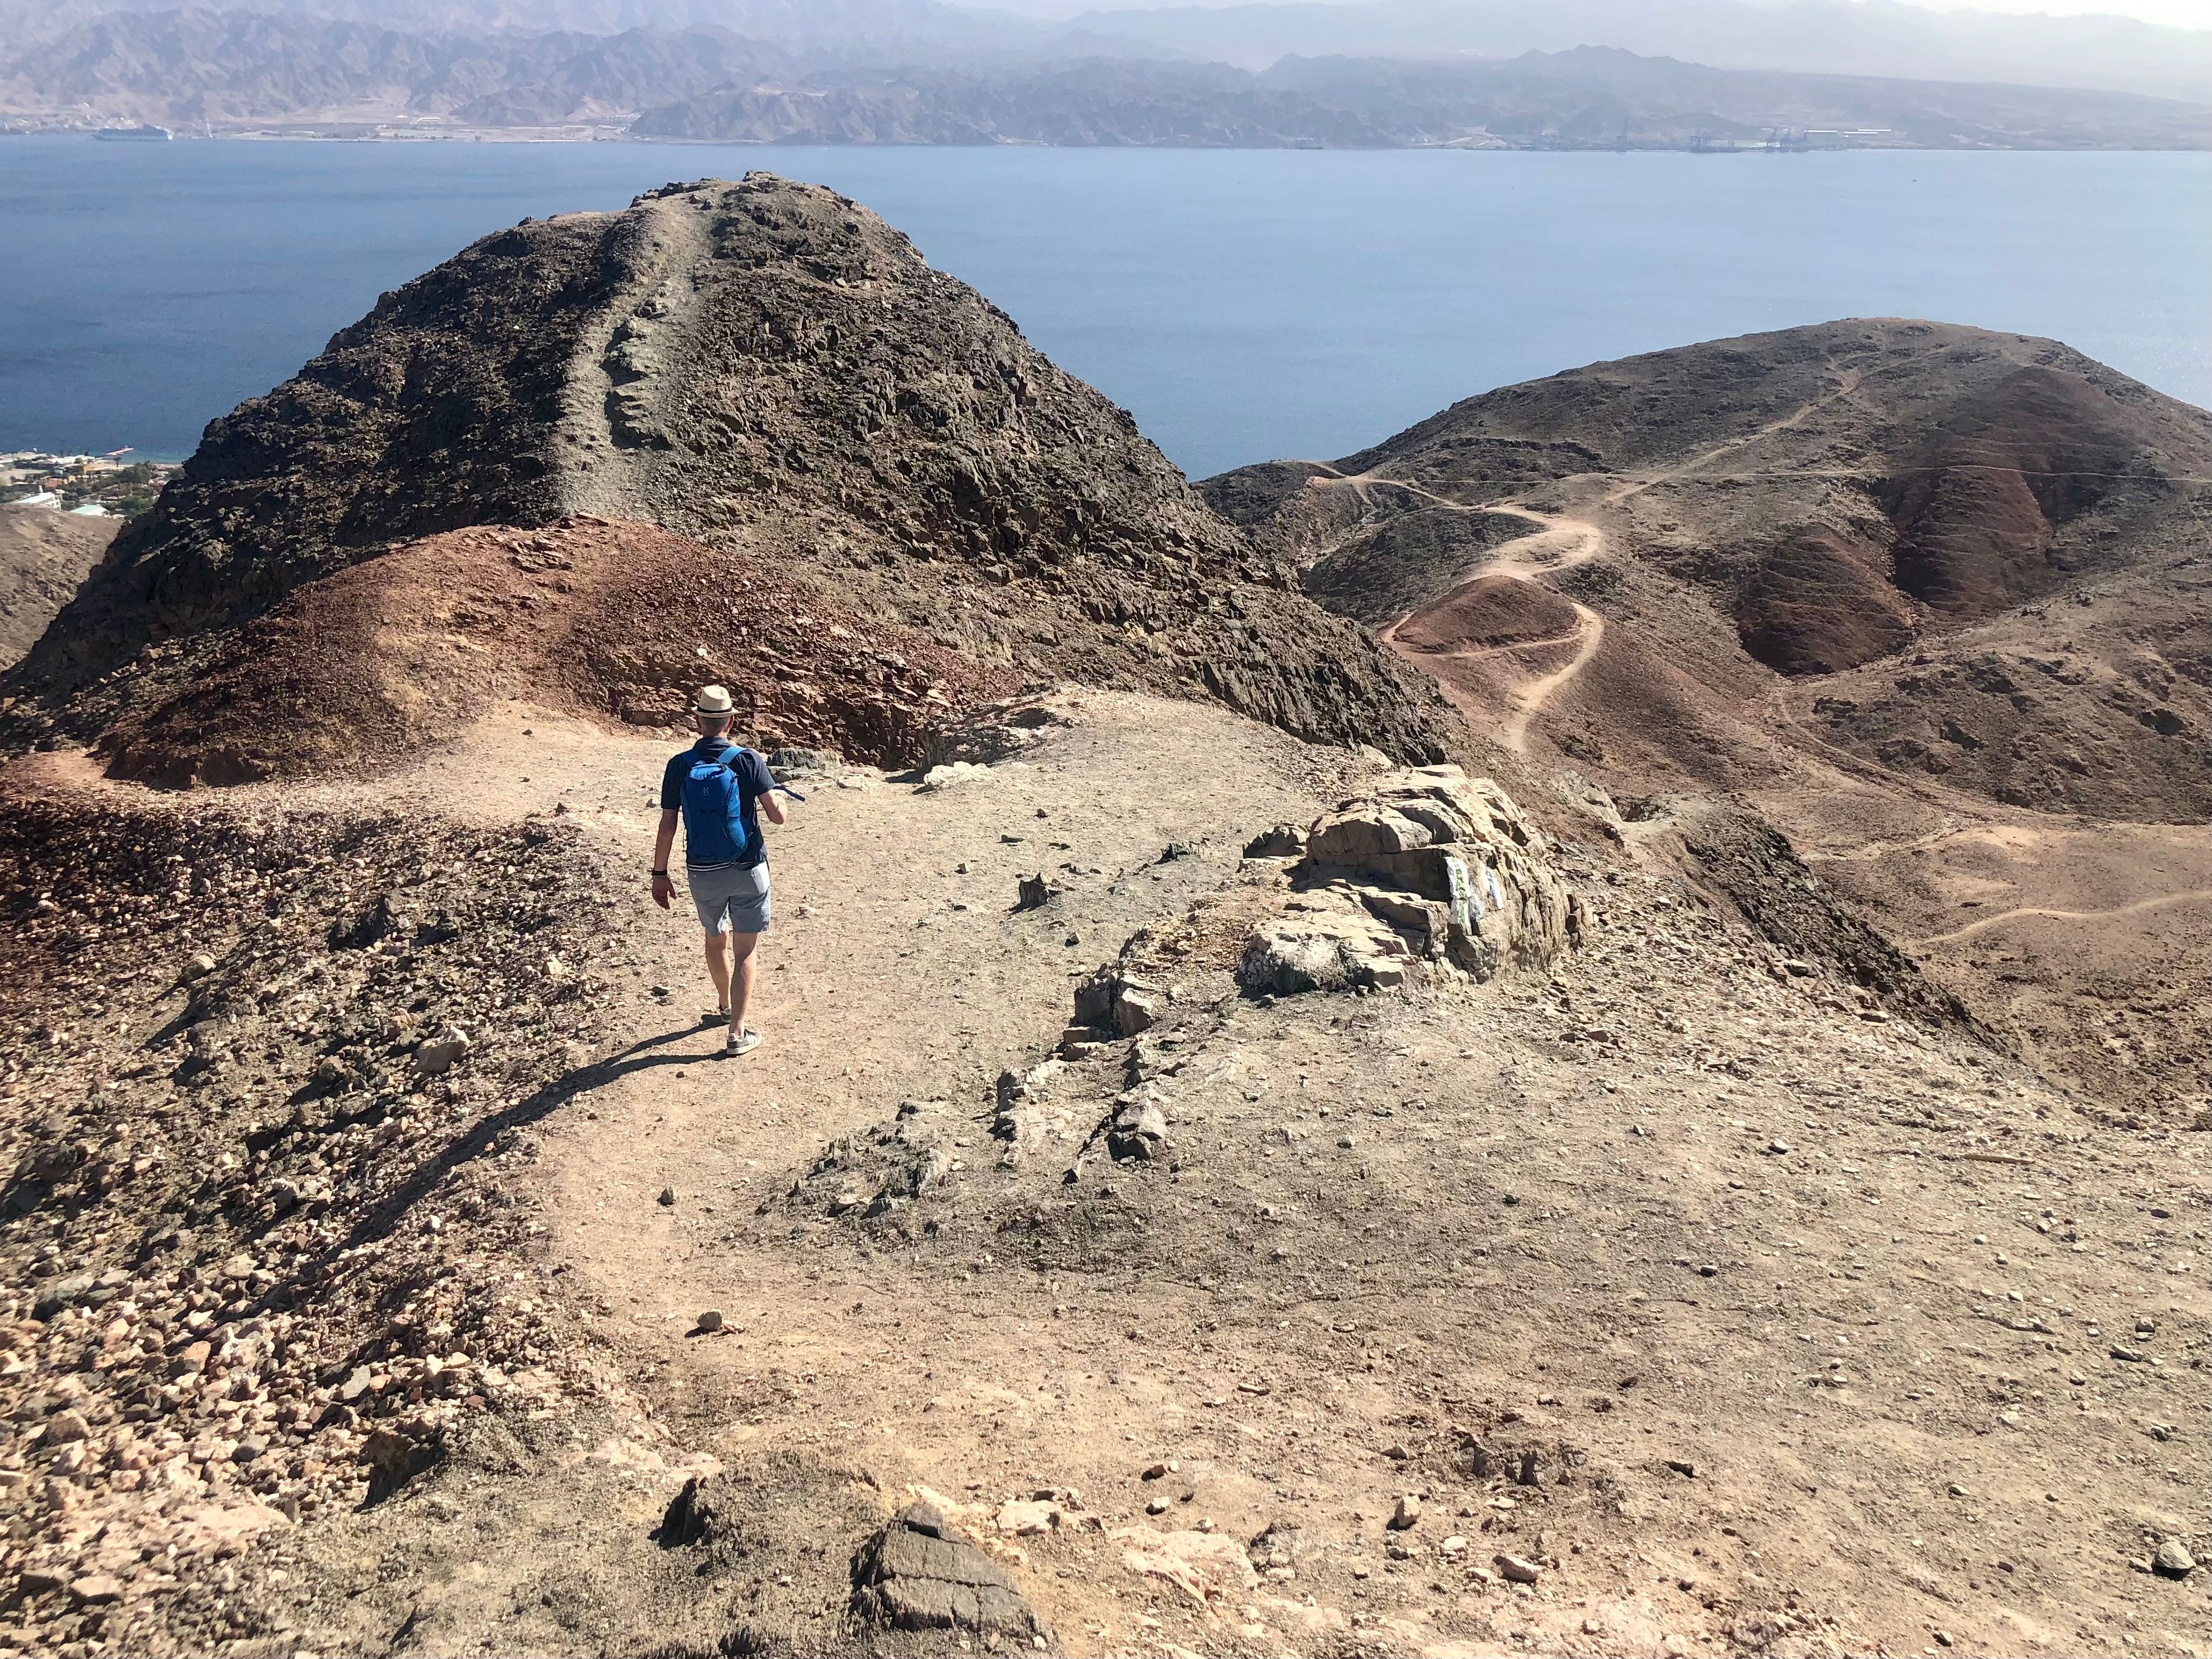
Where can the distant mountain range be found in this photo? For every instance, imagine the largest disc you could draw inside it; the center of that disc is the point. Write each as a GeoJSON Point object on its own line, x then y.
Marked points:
{"type": "Point", "coordinates": [876, 23]}
{"type": "Point", "coordinates": [1589, 98]}
{"type": "Point", "coordinates": [1837, 37]}
{"type": "Point", "coordinates": [226, 68]}
{"type": "Point", "coordinates": [920, 72]}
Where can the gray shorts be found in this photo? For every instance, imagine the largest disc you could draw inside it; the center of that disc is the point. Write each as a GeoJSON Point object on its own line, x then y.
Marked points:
{"type": "Point", "coordinates": [730, 900]}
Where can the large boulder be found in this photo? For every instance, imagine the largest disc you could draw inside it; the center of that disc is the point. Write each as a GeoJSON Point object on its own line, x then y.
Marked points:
{"type": "Point", "coordinates": [1428, 866]}
{"type": "Point", "coordinates": [919, 1574]}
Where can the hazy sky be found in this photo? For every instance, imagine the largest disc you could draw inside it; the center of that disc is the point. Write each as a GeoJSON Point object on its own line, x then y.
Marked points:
{"type": "Point", "coordinates": [2188, 14]}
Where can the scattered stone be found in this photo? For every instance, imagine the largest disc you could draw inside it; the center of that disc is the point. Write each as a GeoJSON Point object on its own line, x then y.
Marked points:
{"type": "Point", "coordinates": [1027, 1517]}
{"type": "Point", "coordinates": [1407, 1514]}
{"type": "Point", "coordinates": [1683, 1466]}
{"type": "Point", "coordinates": [951, 773]}
{"type": "Point", "coordinates": [918, 1574]}
{"type": "Point", "coordinates": [667, 1198]}
{"type": "Point", "coordinates": [395, 1454]}
{"type": "Point", "coordinates": [1206, 1565]}
{"type": "Point", "coordinates": [2173, 1559]}
{"type": "Point", "coordinates": [1517, 1569]}
{"type": "Point", "coordinates": [711, 1320]}
{"type": "Point", "coordinates": [65, 1428]}
{"type": "Point", "coordinates": [436, 1058]}
{"type": "Point", "coordinates": [198, 965]}
{"type": "Point", "coordinates": [60, 1294]}
{"type": "Point", "coordinates": [96, 1590]}
{"type": "Point", "coordinates": [1112, 1000]}
{"type": "Point", "coordinates": [1034, 892]}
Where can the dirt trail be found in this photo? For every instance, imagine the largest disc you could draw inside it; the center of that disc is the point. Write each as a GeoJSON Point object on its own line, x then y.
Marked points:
{"type": "Point", "coordinates": [1695, 1234]}
{"type": "Point", "coordinates": [996, 1381]}
{"type": "Point", "coordinates": [1974, 929]}
{"type": "Point", "coordinates": [1849, 385]}
{"type": "Point", "coordinates": [1534, 696]}
{"type": "Point", "coordinates": [1557, 544]}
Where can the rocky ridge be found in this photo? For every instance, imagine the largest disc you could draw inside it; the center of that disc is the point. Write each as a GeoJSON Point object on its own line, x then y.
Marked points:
{"type": "Point", "coordinates": [764, 369]}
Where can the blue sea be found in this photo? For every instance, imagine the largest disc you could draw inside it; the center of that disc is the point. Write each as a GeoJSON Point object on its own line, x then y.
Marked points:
{"type": "Point", "coordinates": [1242, 304]}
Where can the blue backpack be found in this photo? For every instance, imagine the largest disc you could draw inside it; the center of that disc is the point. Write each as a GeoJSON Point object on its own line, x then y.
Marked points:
{"type": "Point", "coordinates": [716, 830]}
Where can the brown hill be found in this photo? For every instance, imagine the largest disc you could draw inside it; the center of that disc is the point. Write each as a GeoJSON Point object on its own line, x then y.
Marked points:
{"type": "Point", "coordinates": [45, 556]}
{"type": "Point", "coordinates": [1932, 600]}
{"type": "Point", "coordinates": [1830, 498]}
{"type": "Point", "coordinates": [766, 370]}
{"type": "Point", "coordinates": [381, 658]}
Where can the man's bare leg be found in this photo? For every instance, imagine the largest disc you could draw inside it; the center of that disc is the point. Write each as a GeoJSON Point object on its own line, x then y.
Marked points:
{"type": "Point", "coordinates": [740, 979]}
{"type": "Point", "coordinates": [718, 968]}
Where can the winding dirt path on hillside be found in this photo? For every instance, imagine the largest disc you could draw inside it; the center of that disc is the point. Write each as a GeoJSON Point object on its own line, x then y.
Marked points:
{"type": "Point", "coordinates": [1557, 544]}
{"type": "Point", "coordinates": [1974, 929]}
{"type": "Point", "coordinates": [1849, 383]}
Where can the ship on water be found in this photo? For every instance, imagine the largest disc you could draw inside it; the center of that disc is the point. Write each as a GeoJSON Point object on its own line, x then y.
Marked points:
{"type": "Point", "coordinates": [134, 134]}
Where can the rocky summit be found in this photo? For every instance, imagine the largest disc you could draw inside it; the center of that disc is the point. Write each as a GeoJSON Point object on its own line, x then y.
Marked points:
{"type": "Point", "coordinates": [1416, 1060]}
{"type": "Point", "coordinates": [765, 369]}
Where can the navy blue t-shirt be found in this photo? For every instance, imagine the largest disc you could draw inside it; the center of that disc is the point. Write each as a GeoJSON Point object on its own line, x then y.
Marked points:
{"type": "Point", "coordinates": [753, 782]}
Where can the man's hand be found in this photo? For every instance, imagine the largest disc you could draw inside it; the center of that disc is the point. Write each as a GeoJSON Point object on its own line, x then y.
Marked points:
{"type": "Point", "coordinates": [663, 888]}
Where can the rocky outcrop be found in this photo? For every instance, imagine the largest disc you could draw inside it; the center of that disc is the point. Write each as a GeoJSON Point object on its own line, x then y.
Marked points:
{"type": "Point", "coordinates": [1119, 1001]}
{"type": "Point", "coordinates": [1428, 868]}
{"type": "Point", "coordinates": [770, 372]}
{"type": "Point", "coordinates": [919, 1573]}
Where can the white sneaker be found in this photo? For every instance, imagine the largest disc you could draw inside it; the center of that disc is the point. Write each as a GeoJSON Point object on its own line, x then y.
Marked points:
{"type": "Point", "coordinates": [741, 1043]}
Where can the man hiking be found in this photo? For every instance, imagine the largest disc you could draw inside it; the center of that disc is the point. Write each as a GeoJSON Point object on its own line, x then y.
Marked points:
{"type": "Point", "coordinates": [719, 790]}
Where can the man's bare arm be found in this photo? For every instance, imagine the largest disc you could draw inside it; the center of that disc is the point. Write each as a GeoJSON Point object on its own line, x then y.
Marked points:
{"type": "Point", "coordinates": [663, 845]}
{"type": "Point", "coordinates": [773, 807]}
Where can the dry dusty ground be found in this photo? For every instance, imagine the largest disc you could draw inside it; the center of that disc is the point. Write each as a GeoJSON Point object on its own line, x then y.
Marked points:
{"type": "Point", "coordinates": [1827, 1334]}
